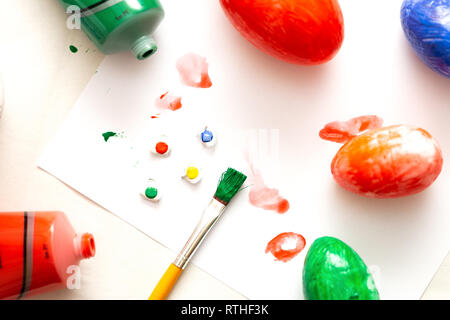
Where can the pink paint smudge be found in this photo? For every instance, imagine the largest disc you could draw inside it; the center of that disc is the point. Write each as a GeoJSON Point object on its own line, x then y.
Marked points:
{"type": "Point", "coordinates": [275, 246]}
{"type": "Point", "coordinates": [342, 131]}
{"type": "Point", "coordinates": [193, 70]}
{"type": "Point", "coordinates": [168, 102]}
{"type": "Point", "coordinates": [264, 197]}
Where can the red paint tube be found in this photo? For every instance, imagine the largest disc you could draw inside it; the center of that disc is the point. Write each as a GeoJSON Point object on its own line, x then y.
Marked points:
{"type": "Point", "coordinates": [39, 251]}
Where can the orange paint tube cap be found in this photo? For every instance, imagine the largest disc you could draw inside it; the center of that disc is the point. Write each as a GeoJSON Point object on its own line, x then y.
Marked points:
{"type": "Point", "coordinates": [87, 245]}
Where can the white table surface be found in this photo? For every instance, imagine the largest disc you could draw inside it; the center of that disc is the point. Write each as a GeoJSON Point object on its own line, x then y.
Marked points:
{"type": "Point", "coordinates": [42, 80]}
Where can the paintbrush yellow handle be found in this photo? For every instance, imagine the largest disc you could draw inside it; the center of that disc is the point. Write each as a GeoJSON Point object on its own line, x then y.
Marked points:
{"type": "Point", "coordinates": [166, 283]}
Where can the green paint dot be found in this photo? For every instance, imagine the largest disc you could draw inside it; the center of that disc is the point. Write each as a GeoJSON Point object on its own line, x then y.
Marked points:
{"type": "Point", "coordinates": [108, 135]}
{"type": "Point", "coordinates": [73, 49]}
{"type": "Point", "coordinates": [151, 193]}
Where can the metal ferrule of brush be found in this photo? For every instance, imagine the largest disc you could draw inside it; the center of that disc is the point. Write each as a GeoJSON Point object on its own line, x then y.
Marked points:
{"type": "Point", "coordinates": [209, 217]}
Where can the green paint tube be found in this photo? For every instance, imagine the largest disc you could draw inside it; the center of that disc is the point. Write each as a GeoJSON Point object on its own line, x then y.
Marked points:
{"type": "Point", "coordinates": [118, 25]}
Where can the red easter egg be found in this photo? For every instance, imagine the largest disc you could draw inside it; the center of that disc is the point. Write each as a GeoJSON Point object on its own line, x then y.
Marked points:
{"type": "Point", "coordinates": [388, 162]}
{"type": "Point", "coordinates": [303, 32]}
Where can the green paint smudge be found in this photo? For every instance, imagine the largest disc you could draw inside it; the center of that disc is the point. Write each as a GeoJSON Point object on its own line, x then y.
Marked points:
{"type": "Point", "coordinates": [108, 134]}
{"type": "Point", "coordinates": [73, 49]}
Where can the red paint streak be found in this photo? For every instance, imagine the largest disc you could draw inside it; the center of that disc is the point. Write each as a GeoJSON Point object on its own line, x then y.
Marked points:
{"type": "Point", "coordinates": [193, 70]}
{"type": "Point", "coordinates": [275, 246]}
{"type": "Point", "coordinates": [154, 117]}
{"type": "Point", "coordinates": [168, 102]}
{"type": "Point", "coordinates": [264, 197]}
{"type": "Point", "coordinates": [161, 147]}
{"type": "Point", "coordinates": [343, 131]}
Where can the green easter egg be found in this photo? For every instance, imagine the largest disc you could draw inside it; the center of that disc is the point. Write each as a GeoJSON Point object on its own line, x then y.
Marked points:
{"type": "Point", "coordinates": [334, 271]}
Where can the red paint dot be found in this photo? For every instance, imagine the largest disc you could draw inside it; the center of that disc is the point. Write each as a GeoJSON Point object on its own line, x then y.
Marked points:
{"type": "Point", "coordinates": [283, 206]}
{"type": "Point", "coordinates": [161, 147]}
{"type": "Point", "coordinates": [275, 246]}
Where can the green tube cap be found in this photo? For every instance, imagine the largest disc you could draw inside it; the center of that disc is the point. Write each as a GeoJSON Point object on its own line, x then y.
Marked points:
{"type": "Point", "coordinates": [144, 47]}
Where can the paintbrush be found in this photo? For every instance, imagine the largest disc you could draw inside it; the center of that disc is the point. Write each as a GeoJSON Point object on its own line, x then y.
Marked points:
{"type": "Point", "coordinates": [229, 184]}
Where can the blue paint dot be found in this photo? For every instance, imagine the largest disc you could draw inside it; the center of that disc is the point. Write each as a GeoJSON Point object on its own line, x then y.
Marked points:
{"type": "Point", "coordinates": [207, 136]}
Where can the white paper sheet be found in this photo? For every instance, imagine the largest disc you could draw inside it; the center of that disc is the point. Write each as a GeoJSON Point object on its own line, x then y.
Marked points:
{"type": "Point", "coordinates": [253, 99]}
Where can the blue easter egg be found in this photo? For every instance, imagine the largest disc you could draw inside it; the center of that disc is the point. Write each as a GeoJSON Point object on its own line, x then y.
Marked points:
{"type": "Point", "coordinates": [426, 24]}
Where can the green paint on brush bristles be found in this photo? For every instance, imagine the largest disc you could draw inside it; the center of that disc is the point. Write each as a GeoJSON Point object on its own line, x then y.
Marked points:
{"type": "Point", "coordinates": [229, 184]}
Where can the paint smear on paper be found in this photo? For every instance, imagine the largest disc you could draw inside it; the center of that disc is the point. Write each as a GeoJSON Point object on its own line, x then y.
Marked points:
{"type": "Point", "coordinates": [193, 70]}
{"type": "Point", "coordinates": [343, 131]}
{"type": "Point", "coordinates": [109, 134]}
{"type": "Point", "coordinates": [73, 49]}
{"type": "Point", "coordinates": [286, 246]}
{"type": "Point", "coordinates": [168, 102]}
{"type": "Point", "coordinates": [264, 197]}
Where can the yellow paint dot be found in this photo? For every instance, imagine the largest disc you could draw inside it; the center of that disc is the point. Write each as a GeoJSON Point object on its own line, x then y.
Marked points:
{"type": "Point", "coordinates": [192, 172]}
